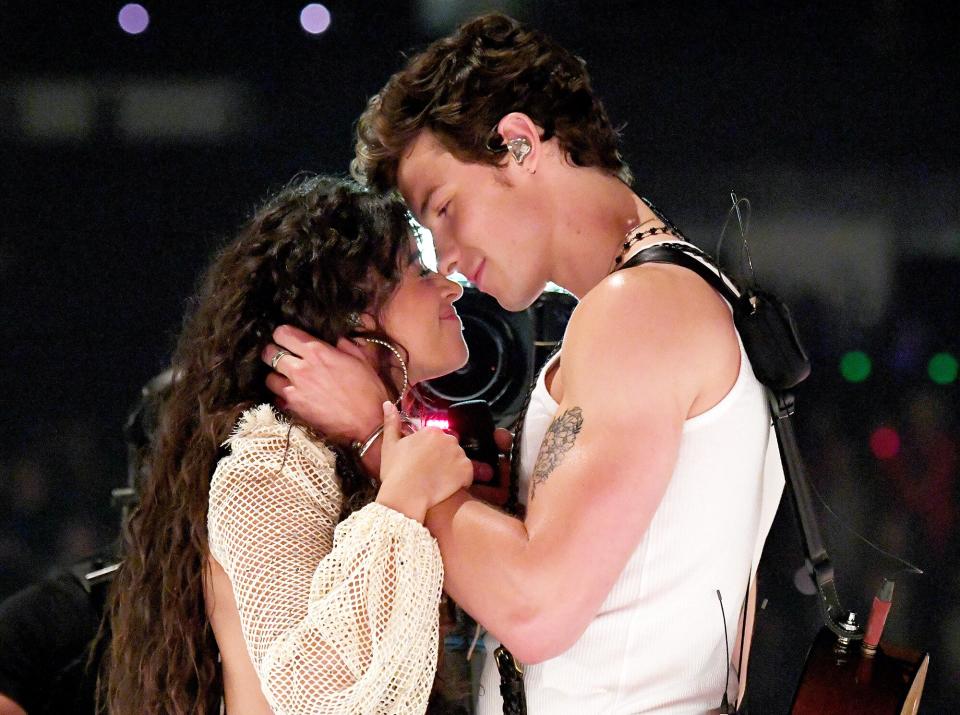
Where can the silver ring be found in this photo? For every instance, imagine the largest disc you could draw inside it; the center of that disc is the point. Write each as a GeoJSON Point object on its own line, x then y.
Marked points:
{"type": "Point", "coordinates": [276, 358]}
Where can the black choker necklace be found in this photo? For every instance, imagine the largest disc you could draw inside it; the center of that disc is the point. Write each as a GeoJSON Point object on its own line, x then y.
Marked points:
{"type": "Point", "coordinates": [633, 237]}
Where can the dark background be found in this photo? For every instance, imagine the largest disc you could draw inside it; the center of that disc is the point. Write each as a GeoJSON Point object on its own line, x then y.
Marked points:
{"type": "Point", "coordinates": [127, 159]}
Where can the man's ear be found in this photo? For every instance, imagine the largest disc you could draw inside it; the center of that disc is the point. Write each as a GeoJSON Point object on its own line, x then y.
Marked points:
{"type": "Point", "coordinates": [522, 139]}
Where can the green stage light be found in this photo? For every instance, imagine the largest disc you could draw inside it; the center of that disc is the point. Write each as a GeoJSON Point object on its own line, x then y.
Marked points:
{"type": "Point", "coordinates": [855, 366]}
{"type": "Point", "coordinates": [942, 368]}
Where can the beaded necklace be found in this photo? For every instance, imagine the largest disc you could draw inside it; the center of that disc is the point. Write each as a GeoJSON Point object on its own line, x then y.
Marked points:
{"type": "Point", "coordinates": [634, 236]}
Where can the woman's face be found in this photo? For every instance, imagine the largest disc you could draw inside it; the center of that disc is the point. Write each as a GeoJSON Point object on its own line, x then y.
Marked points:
{"type": "Point", "coordinates": [420, 316]}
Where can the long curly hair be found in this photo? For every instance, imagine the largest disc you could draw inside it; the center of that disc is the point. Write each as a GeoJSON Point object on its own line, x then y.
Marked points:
{"type": "Point", "coordinates": [317, 253]}
{"type": "Point", "coordinates": [462, 85]}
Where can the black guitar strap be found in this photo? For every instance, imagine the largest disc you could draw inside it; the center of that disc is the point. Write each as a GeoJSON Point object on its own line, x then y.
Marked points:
{"type": "Point", "coordinates": [511, 682]}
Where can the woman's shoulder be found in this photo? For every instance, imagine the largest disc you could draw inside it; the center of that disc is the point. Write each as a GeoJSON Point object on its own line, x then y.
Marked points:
{"type": "Point", "coordinates": [261, 430]}
{"type": "Point", "coordinates": [257, 421]}
{"type": "Point", "coordinates": [273, 475]}
{"type": "Point", "coordinates": [270, 455]}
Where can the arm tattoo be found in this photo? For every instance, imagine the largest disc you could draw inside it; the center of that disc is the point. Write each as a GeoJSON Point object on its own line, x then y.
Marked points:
{"type": "Point", "coordinates": [557, 442]}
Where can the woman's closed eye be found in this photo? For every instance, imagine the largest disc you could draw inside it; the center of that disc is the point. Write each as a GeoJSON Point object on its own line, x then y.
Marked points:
{"type": "Point", "coordinates": [423, 270]}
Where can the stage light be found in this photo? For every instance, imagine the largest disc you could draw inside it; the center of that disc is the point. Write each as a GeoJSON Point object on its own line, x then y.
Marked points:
{"type": "Point", "coordinates": [942, 368]}
{"type": "Point", "coordinates": [133, 18]}
{"type": "Point", "coordinates": [855, 366]}
{"type": "Point", "coordinates": [885, 443]}
{"type": "Point", "coordinates": [315, 18]}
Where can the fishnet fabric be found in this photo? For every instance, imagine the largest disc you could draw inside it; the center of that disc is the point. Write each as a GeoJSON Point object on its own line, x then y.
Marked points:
{"type": "Point", "coordinates": [336, 618]}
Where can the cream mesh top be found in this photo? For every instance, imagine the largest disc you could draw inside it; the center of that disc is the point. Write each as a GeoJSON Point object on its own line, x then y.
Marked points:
{"type": "Point", "coordinates": [336, 618]}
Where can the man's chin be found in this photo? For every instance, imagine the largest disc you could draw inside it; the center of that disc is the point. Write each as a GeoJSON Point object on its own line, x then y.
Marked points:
{"type": "Point", "coordinates": [515, 303]}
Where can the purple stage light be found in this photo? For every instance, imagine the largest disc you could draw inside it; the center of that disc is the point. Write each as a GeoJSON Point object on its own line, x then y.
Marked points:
{"type": "Point", "coordinates": [315, 18]}
{"type": "Point", "coordinates": [133, 18]}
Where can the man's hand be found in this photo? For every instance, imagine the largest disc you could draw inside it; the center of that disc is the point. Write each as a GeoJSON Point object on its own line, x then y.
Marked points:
{"type": "Point", "coordinates": [498, 491]}
{"type": "Point", "coordinates": [334, 390]}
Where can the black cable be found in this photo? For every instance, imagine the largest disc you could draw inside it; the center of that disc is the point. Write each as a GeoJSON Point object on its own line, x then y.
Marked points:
{"type": "Point", "coordinates": [725, 701]}
{"type": "Point", "coordinates": [906, 566]}
{"type": "Point", "coordinates": [743, 637]}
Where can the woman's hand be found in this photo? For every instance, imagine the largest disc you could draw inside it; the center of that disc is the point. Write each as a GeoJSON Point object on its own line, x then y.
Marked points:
{"type": "Point", "coordinates": [334, 390]}
{"type": "Point", "coordinates": [420, 470]}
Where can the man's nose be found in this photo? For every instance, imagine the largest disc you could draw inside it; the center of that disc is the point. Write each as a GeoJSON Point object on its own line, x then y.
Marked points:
{"type": "Point", "coordinates": [448, 257]}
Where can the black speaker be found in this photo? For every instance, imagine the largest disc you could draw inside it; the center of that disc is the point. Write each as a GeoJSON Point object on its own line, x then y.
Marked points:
{"type": "Point", "coordinates": [501, 358]}
{"type": "Point", "coordinates": [506, 349]}
{"type": "Point", "coordinates": [551, 312]}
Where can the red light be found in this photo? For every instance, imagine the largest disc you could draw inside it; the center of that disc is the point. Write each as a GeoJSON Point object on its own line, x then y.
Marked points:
{"type": "Point", "coordinates": [885, 443]}
{"type": "Point", "coordinates": [438, 422]}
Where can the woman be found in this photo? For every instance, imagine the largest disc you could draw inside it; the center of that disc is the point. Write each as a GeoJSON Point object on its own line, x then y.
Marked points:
{"type": "Point", "coordinates": [255, 540]}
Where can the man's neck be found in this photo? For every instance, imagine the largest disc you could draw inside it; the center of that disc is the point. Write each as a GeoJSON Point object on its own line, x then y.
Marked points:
{"type": "Point", "coordinates": [596, 210]}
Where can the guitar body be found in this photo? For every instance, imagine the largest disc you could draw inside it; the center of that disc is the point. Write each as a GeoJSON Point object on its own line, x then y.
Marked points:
{"type": "Point", "coordinates": [838, 680]}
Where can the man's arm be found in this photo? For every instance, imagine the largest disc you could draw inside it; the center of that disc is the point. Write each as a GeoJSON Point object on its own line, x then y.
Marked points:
{"type": "Point", "coordinates": [643, 352]}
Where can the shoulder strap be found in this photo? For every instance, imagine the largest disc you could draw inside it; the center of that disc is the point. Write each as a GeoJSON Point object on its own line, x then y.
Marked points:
{"type": "Point", "coordinates": [682, 254]}
{"type": "Point", "coordinates": [763, 321]}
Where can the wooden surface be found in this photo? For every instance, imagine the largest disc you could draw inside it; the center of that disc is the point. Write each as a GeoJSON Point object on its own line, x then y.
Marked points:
{"type": "Point", "coordinates": [837, 680]}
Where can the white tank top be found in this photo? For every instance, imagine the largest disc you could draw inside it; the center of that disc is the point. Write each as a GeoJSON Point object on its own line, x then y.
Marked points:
{"type": "Point", "coordinates": [657, 644]}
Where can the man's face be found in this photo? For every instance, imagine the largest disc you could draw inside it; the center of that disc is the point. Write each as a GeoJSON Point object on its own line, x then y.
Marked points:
{"type": "Point", "coordinates": [485, 225]}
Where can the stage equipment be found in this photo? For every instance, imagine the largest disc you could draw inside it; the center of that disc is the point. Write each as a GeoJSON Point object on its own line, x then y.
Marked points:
{"type": "Point", "coordinates": [138, 432]}
{"type": "Point", "coordinates": [506, 349]}
{"type": "Point", "coordinates": [472, 423]}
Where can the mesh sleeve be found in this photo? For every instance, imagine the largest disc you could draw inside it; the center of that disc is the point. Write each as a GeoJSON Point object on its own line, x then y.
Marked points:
{"type": "Point", "coordinates": [336, 618]}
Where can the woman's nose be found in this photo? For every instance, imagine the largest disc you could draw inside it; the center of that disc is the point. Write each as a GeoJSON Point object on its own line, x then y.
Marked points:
{"type": "Point", "coordinates": [452, 290]}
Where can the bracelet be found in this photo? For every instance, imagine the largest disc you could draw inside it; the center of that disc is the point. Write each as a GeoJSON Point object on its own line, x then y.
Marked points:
{"type": "Point", "coordinates": [361, 448]}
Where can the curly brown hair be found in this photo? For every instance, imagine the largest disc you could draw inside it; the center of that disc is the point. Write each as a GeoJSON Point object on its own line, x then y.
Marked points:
{"type": "Point", "coordinates": [317, 252]}
{"type": "Point", "coordinates": [460, 88]}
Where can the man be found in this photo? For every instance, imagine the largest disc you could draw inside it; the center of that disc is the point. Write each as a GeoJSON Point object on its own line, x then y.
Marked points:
{"type": "Point", "coordinates": [48, 631]}
{"type": "Point", "coordinates": [644, 444]}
